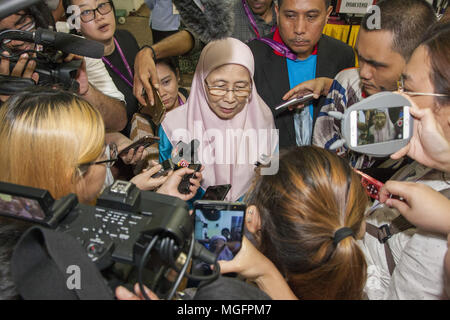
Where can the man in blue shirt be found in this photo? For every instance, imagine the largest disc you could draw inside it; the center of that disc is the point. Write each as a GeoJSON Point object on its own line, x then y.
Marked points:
{"type": "Point", "coordinates": [296, 52]}
{"type": "Point", "coordinates": [163, 20]}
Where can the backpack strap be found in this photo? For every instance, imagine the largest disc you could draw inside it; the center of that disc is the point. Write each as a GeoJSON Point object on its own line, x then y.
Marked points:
{"type": "Point", "coordinates": [384, 232]}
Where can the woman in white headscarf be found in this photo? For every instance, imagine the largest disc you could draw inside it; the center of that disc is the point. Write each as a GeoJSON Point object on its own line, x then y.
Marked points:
{"type": "Point", "coordinates": [383, 129]}
{"type": "Point", "coordinates": [226, 115]}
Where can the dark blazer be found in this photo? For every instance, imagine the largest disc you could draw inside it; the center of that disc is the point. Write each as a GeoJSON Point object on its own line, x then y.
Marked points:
{"type": "Point", "coordinates": [272, 79]}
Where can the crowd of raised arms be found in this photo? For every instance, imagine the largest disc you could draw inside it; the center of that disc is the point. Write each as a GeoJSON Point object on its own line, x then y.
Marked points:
{"type": "Point", "coordinates": [310, 229]}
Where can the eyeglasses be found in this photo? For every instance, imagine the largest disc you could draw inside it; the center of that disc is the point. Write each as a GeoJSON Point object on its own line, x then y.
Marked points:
{"type": "Point", "coordinates": [401, 88]}
{"type": "Point", "coordinates": [89, 15]}
{"type": "Point", "coordinates": [219, 91]}
{"type": "Point", "coordinates": [111, 153]}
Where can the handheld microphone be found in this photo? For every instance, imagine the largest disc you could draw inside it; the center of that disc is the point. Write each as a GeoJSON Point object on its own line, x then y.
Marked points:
{"type": "Point", "coordinates": [67, 43]}
{"type": "Point", "coordinates": [8, 7]}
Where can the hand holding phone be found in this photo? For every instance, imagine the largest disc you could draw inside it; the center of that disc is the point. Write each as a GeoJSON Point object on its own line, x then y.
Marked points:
{"type": "Point", "coordinates": [219, 227]}
{"type": "Point", "coordinates": [167, 166]}
{"type": "Point", "coordinates": [184, 185]}
{"type": "Point", "coordinates": [158, 110]}
{"type": "Point", "coordinates": [145, 142]}
{"type": "Point", "coordinates": [296, 101]}
{"type": "Point", "coordinates": [371, 185]}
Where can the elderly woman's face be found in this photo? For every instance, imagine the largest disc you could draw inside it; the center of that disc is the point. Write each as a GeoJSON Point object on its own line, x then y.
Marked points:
{"type": "Point", "coordinates": [380, 120]}
{"type": "Point", "coordinates": [228, 77]}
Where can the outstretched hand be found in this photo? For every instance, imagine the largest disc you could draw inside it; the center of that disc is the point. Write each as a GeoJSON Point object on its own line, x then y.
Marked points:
{"type": "Point", "coordinates": [318, 87]}
{"type": "Point", "coordinates": [170, 187]}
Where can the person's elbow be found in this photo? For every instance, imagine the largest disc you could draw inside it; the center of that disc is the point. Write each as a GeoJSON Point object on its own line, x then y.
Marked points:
{"type": "Point", "coordinates": [122, 119]}
{"type": "Point", "coordinates": [117, 119]}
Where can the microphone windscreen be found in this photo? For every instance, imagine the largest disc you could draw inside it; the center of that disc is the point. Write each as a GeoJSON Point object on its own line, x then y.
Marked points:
{"type": "Point", "coordinates": [214, 22]}
{"type": "Point", "coordinates": [70, 43]}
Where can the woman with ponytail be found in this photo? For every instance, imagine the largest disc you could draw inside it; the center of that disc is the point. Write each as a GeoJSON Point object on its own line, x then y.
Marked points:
{"type": "Point", "coordinates": [305, 221]}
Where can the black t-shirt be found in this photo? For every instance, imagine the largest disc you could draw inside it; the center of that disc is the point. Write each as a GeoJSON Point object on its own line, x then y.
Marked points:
{"type": "Point", "coordinates": [130, 49]}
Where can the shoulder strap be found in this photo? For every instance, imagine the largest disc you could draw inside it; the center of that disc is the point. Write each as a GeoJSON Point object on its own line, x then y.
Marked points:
{"type": "Point", "coordinates": [374, 232]}
{"type": "Point", "coordinates": [384, 232]}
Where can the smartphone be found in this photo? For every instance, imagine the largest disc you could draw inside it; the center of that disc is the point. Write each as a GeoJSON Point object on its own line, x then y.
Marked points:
{"type": "Point", "coordinates": [158, 110]}
{"type": "Point", "coordinates": [219, 227]}
{"type": "Point", "coordinates": [379, 125]}
{"type": "Point", "coordinates": [167, 165]}
{"type": "Point", "coordinates": [299, 100]}
{"type": "Point", "coordinates": [218, 192]}
{"type": "Point", "coordinates": [184, 185]}
{"type": "Point", "coordinates": [145, 142]}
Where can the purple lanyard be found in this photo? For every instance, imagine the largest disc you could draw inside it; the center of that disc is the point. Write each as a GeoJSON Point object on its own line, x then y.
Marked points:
{"type": "Point", "coordinates": [280, 48]}
{"type": "Point", "coordinates": [252, 20]}
{"type": "Point", "coordinates": [125, 62]}
{"type": "Point", "coordinates": [180, 101]}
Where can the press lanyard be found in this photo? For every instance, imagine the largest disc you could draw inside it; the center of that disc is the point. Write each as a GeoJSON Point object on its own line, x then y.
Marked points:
{"type": "Point", "coordinates": [252, 20]}
{"type": "Point", "coordinates": [280, 48]}
{"type": "Point", "coordinates": [180, 101]}
{"type": "Point", "coordinates": [125, 62]}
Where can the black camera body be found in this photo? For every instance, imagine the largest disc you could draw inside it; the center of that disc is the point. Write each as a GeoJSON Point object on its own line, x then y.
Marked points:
{"type": "Point", "coordinates": [117, 229]}
{"type": "Point", "coordinates": [50, 73]}
{"type": "Point", "coordinates": [50, 49]}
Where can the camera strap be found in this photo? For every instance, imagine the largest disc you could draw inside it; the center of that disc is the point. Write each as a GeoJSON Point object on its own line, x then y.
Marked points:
{"type": "Point", "coordinates": [51, 265]}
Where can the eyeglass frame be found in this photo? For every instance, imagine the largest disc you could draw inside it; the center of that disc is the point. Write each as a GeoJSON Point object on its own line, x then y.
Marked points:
{"type": "Point", "coordinates": [113, 152]}
{"type": "Point", "coordinates": [96, 9]}
{"type": "Point", "coordinates": [234, 90]}
{"type": "Point", "coordinates": [401, 88]}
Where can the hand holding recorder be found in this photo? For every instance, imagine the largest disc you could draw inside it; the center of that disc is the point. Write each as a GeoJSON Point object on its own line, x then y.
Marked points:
{"type": "Point", "coordinates": [171, 186]}
{"type": "Point", "coordinates": [424, 207]}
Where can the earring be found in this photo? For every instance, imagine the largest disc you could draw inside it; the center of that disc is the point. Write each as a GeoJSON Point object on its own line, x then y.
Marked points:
{"type": "Point", "coordinates": [249, 219]}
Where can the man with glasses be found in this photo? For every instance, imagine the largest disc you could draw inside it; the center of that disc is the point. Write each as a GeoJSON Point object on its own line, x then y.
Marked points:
{"type": "Point", "coordinates": [382, 55]}
{"type": "Point", "coordinates": [415, 268]}
{"type": "Point", "coordinates": [110, 106]}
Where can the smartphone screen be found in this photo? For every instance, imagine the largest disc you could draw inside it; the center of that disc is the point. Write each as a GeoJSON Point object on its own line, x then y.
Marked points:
{"type": "Point", "coordinates": [218, 192]}
{"type": "Point", "coordinates": [379, 125]}
{"type": "Point", "coordinates": [218, 227]}
{"type": "Point", "coordinates": [16, 206]}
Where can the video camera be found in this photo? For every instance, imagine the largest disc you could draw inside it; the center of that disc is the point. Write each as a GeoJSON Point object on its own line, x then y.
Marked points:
{"type": "Point", "coordinates": [49, 51]}
{"type": "Point", "coordinates": [127, 226]}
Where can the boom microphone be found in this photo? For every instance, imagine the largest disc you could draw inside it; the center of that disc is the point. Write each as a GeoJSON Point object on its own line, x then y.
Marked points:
{"type": "Point", "coordinates": [209, 19]}
{"type": "Point", "coordinates": [65, 42]}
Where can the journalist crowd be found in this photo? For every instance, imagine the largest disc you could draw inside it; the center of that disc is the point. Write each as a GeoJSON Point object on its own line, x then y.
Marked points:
{"type": "Point", "coordinates": [322, 220]}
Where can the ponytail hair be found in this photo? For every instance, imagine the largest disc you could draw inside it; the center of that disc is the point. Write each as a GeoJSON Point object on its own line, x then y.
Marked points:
{"type": "Point", "coordinates": [314, 194]}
